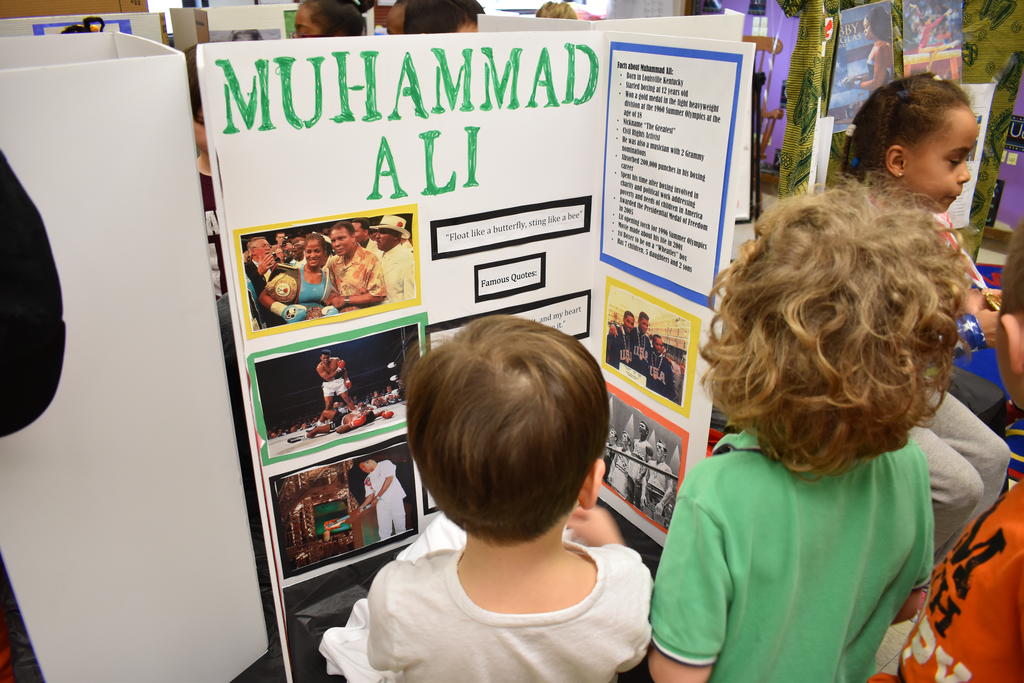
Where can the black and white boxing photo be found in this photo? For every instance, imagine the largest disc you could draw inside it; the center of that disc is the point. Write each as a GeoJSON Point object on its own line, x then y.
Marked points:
{"type": "Point", "coordinates": [331, 389]}
{"type": "Point", "coordinates": [642, 457]}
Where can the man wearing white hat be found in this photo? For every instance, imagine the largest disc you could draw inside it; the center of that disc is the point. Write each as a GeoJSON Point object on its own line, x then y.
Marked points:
{"type": "Point", "coordinates": [397, 258]}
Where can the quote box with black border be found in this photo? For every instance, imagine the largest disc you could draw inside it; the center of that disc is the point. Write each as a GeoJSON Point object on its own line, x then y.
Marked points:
{"type": "Point", "coordinates": [500, 269]}
{"type": "Point", "coordinates": [487, 231]}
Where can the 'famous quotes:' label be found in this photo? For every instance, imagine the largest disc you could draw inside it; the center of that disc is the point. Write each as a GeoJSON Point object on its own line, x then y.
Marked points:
{"type": "Point", "coordinates": [508, 277]}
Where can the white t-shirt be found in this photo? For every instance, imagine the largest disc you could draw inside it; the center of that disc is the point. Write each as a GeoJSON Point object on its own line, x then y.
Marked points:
{"type": "Point", "coordinates": [423, 625]}
{"type": "Point", "coordinates": [640, 448]}
{"type": "Point", "coordinates": [374, 481]}
{"type": "Point", "coordinates": [655, 478]}
{"type": "Point", "coordinates": [617, 478]}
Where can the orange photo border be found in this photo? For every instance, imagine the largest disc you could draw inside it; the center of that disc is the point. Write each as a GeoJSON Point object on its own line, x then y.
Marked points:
{"type": "Point", "coordinates": [684, 446]}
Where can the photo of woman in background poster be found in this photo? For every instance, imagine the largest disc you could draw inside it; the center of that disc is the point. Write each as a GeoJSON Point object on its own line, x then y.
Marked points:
{"type": "Point", "coordinates": [878, 28]}
{"type": "Point", "coordinates": [863, 59]}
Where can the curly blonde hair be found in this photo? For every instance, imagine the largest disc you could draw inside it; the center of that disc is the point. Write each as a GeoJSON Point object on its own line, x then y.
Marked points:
{"type": "Point", "coordinates": [557, 10]}
{"type": "Point", "coordinates": [835, 329]}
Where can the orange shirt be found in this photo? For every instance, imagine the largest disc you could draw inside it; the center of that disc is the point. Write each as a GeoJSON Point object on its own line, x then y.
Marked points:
{"type": "Point", "coordinates": [361, 275]}
{"type": "Point", "coordinates": [971, 626]}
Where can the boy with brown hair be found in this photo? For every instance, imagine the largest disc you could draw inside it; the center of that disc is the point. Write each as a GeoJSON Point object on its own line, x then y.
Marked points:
{"type": "Point", "coordinates": [507, 425]}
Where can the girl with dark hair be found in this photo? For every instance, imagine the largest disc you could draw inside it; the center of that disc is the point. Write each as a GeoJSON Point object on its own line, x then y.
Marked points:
{"type": "Point", "coordinates": [913, 138]}
{"type": "Point", "coordinates": [441, 16]}
{"type": "Point", "coordinates": [331, 18]}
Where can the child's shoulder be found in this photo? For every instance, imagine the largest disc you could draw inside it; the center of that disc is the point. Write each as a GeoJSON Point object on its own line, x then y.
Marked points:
{"type": "Point", "coordinates": [616, 563]}
{"type": "Point", "coordinates": [425, 582]}
{"type": "Point", "coordinates": [621, 597]}
{"type": "Point", "coordinates": [742, 452]}
{"type": "Point", "coordinates": [739, 470]}
{"type": "Point", "coordinates": [735, 454]}
{"type": "Point", "coordinates": [433, 560]}
{"type": "Point", "coordinates": [420, 571]}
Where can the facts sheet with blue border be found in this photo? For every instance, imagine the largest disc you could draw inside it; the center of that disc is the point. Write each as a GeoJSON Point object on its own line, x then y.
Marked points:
{"type": "Point", "coordinates": [671, 113]}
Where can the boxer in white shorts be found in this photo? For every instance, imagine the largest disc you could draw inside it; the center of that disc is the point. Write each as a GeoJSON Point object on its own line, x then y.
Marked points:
{"type": "Point", "coordinates": [335, 382]}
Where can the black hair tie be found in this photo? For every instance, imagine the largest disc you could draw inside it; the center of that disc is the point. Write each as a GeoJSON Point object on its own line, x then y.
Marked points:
{"type": "Point", "coordinates": [903, 95]}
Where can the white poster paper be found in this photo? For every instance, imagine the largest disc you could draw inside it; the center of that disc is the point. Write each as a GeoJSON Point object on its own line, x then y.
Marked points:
{"type": "Point", "coordinates": [822, 151]}
{"type": "Point", "coordinates": [478, 159]}
{"type": "Point", "coordinates": [667, 180]}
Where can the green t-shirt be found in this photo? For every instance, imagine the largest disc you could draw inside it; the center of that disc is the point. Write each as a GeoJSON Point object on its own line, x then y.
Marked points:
{"type": "Point", "coordinates": [773, 577]}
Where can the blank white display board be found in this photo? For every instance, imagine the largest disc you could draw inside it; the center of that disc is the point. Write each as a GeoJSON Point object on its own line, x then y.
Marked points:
{"type": "Point", "coordinates": [122, 518]}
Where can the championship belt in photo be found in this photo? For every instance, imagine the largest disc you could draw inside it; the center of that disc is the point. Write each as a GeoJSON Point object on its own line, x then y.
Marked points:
{"type": "Point", "coordinates": [283, 285]}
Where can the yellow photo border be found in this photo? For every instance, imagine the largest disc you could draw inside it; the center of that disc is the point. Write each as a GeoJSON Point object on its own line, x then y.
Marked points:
{"type": "Point", "coordinates": [691, 355]}
{"type": "Point", "coordinates": [236, 245]}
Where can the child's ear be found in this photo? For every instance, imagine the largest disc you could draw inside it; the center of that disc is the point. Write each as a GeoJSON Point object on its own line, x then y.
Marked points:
{"type": "Point", "coordinates": [591, 485]}
{"type": "Point", "coordinates": [896, 160]}
{"type": "Point", "coordinates": [1012, 329]}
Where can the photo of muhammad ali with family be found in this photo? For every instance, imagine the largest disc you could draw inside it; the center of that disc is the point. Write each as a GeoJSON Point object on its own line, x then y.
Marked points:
{"type": "Point", "coordinates": [343, 267]}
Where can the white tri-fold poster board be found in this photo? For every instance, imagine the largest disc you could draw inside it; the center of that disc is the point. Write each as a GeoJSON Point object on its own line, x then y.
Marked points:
{"type": "Point", "coordinates": [727, 26]}
{"type": "Point", "coordinates": [247, 22]}
{"type": "Point", "coordinates": [581, 179]}
{"type": "Point", "coordinates": [142, 24]}
{"type": "Point", "coordinates": [122, 518]}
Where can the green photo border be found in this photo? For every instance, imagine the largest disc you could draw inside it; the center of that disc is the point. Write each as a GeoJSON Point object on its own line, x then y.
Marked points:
{"type": "Point", "coordinates": [419, 319]}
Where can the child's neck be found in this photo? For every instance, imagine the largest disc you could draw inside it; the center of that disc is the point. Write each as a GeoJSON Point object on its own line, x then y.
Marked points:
{"type": "Point", "coordinates": [536, 576]}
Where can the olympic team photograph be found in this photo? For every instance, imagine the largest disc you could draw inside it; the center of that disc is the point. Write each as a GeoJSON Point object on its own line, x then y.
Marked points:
{"type": "Point", "coordinates": [648, 344]}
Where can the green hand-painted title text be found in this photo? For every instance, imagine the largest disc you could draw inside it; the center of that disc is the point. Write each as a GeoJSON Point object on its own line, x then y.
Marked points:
{"type": "Point", "coordinates": [500, 91]}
